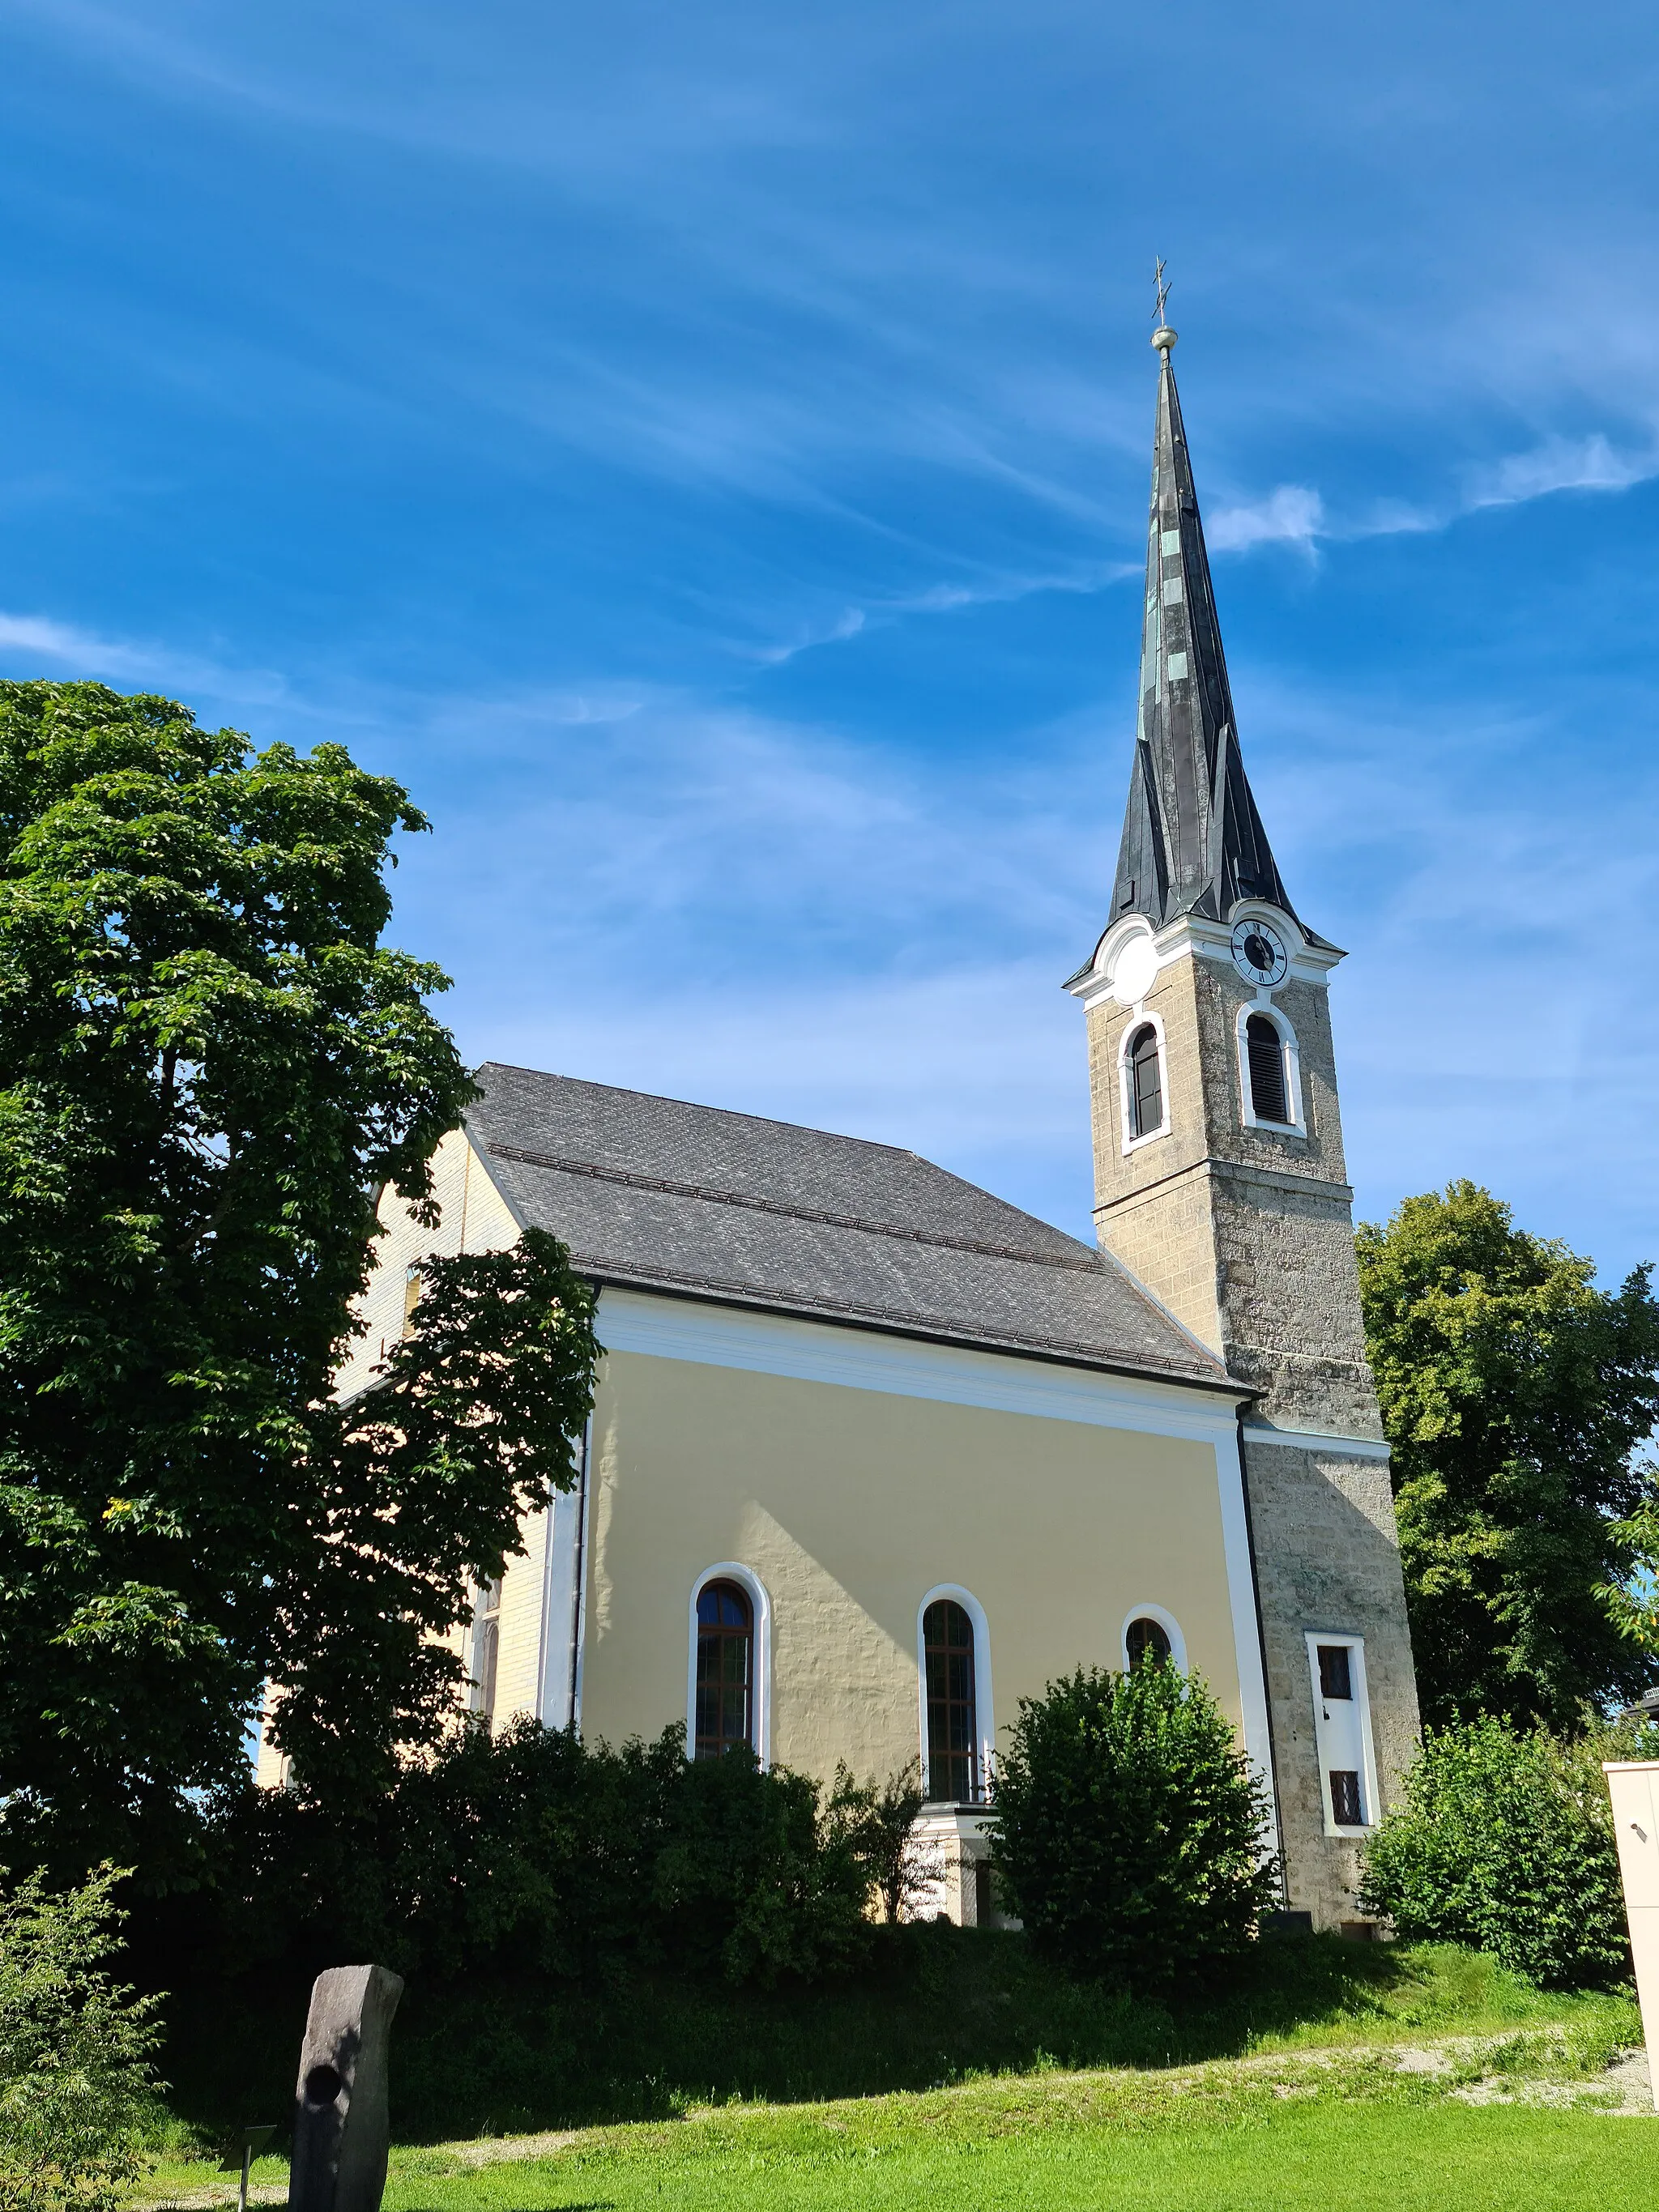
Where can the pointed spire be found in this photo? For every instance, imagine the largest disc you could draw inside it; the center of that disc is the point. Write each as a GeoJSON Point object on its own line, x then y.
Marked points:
{"type": "Point", "coordinates": [1192, 841]}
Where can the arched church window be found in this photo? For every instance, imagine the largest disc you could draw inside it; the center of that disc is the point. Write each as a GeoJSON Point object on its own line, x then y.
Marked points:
{"type": "Point", "coordinates": [1146, 1083]}
{"type": "Point", "coordinates": [1265, 1053]}
{"type": "Point", "coordinates": [486, 1648]}
{"type": "Point", "coordinates": [1147, 1643]}
{"type": "Point", "coordinates": [726, 1669]}
{"type": "Point", "coordinates": [947, 1636]}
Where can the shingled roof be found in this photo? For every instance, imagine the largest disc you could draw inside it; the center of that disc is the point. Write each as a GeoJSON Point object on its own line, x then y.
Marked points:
{"type": "Point", "coordinates": [655, 1193]}
{"type": "Point", "coordinates": [1192, 839]}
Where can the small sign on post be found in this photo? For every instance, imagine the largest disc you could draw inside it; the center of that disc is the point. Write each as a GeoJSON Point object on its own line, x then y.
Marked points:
{"type": "Point", "coordinates": [240, 2151]}
{"type": "Point", "coordinates": [1634, 1785]}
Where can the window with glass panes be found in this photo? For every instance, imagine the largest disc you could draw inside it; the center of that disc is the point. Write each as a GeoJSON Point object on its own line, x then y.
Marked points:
{"type": "Point", "coordinates": [1148, 1642]}
{"type": "Point", "coordinates": [486, 1648]}
{"type": "Point", "coordinates": [947, 1636]}
{"type": "Point", "coordinates": [726, 1669]}
{"type": "Point", "coordinates": [1146, 1084]}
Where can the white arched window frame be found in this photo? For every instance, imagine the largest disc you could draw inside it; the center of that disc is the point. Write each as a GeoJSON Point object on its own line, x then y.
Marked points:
{"type": "Point", "coordinates": [754, 1588]}
{"type": "Point", "coordinates": [1291, 1054]}
{"type": "Point", "coordinates": [1166, 1620]}
{"type": "Point", "coordinates": [1138, 1020]}
{"type": "Point", "coordinates": [984, 1709]}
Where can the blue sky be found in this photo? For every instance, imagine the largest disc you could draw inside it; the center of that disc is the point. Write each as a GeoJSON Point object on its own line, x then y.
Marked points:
{"type": "Point", "coordinates": [703, 452]}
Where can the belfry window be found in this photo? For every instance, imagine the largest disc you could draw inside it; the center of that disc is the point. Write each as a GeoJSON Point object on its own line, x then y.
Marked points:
{"type": "Point", "coordinates": [1146, 1083]}
{"type": "Point", "coordinates": [953, 1705]}
{"type": "Point", "coordinates": [1265, 1056]}
{"type": "Point", "coordinates": [726, 1669]}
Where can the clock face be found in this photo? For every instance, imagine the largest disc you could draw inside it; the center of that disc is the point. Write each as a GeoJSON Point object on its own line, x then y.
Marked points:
{"type": "Point", "coordinates": [1259, 952]}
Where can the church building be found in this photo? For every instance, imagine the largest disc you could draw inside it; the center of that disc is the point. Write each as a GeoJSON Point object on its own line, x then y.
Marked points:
{"type": "Point", "coordinates": [875, 1454]}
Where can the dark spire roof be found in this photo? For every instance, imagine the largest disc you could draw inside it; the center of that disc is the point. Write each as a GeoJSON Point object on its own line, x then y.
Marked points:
{"type": "Point", "coordinates": [1192, 841]}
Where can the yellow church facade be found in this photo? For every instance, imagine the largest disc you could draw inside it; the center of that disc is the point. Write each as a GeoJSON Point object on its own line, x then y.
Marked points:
{"type": "Point", "coordinates": [843, 1477]}
{"type": "Point", "coordinates": [874, 1455]}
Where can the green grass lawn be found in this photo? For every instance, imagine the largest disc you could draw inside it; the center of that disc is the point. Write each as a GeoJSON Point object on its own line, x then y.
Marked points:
{"type": "Point", "coordinates": [1326, 2110]}
{"type": "Point", "coordinates": [1355, 2157]}
{"type": "Point", "coordinates": [1352, 2133]}
{"type": "Point", "coordinates": [941, 2005]}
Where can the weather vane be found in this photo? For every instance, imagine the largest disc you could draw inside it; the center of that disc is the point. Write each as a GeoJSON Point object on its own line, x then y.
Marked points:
{"type": "Point", "coordinates": [1163, 337]}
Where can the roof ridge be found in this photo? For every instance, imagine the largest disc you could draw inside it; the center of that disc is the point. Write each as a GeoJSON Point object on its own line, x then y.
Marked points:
{"type": "Point", "coordinates": [1086, 1261]}
{"type": "Point", "coordinates": [736, 1114]}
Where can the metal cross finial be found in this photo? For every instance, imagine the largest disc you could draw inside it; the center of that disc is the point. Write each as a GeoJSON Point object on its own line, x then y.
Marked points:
{"type": "Point", "coordinates": [1163, 337]}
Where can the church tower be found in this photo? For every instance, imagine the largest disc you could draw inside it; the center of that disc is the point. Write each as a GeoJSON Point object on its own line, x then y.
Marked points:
{"type": "Point", "coordinates": [1220, 1183]}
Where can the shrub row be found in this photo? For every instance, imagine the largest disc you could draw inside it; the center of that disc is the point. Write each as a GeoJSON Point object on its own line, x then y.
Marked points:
{"type": "Point", "coordinates": [1504, 1841]}
{"type": "Point", "coordinates": [533, 1851]}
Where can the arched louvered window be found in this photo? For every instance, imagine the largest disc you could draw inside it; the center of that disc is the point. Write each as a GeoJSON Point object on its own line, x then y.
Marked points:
{"type": "Point", "coordinates": [947, 1636]}
{"type": "Point", "coordinates": [1146, 1083]}
{"type": "Point", "coordinates": [726, 1669]}
{"type": "Point", "coordinates": [1265, 1051]}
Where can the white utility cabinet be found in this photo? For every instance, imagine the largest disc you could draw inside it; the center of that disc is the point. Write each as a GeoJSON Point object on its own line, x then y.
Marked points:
{"type": "Point", "coordinates": [1634, 1787]}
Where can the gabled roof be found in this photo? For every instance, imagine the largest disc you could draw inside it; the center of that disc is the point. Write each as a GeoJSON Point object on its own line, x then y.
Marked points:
{"type": "Point", "coordinates": [1192, 839]}
{"type": "Point", "coordinates": [659, 1194]}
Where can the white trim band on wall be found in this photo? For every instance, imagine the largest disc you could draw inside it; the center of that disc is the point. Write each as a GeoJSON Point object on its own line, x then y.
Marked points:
{"type": "Point", "coordinates": [666, 1327]}
{"type": "Point", "coordinates": [729, 1570]}
{"type": "Point", "coordinates": [1323, 1440]}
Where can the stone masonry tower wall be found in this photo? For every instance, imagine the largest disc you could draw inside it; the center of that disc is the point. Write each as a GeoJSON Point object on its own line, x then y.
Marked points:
{"type": "Point", "coordinates": [1241, 1223]}
{"type": "Point", "coordinates": [1246, 1234]}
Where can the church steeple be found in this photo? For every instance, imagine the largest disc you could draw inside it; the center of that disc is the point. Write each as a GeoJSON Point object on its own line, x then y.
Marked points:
{"type": "Point", "coordinates": [1220, 1184]}
{"type": "Point", "coordinates": [1192, 839]}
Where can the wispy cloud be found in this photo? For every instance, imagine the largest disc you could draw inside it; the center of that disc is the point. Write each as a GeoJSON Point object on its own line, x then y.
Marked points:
{"type": "Point", "coordinates": [72, 652]}
{"type": "Point", "coordinates": [1293, 514]}
{"type": "Point", "coordinates": [1590, 463]}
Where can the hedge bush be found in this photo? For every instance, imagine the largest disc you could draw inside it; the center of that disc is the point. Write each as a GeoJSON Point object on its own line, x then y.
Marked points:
{"type": "Point", "coordinates": [1131, 1833]}
{"type": "Point", "coordinates": [533, 1851]}
{"type": "Point", "coordinates": [1505, 1842]}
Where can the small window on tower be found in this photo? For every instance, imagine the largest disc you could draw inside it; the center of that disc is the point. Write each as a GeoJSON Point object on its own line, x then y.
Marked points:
{"type": "Point", "coordinates": [1265, 1053]}
{"type": "Point", "coordinates": [1146, 1084]}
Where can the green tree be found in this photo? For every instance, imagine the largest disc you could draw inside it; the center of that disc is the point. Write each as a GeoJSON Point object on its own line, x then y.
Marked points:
{"type": "Point", "coordinates": [1504, 1841]}
{"type": "Point", "coordinates": [1131, 1831]}
{"type": "Point", "coordinates": [76, 2089]}
{"type": "Point", "coordinates": [1516, 1396]}
{"type": "Point", "coordinates": [208, 1064]}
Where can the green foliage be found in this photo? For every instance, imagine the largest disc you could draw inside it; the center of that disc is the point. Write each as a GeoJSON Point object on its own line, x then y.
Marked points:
{"type": "Point", "coordinates": [1515, 1395]}
{"type": "Point", "coordinates": [903, 1868]}
{"type": "Point", "coordinates": [1505, 1842]}
{"type": "Point", "coordinates": [76, 2089]}
{"type": "Point", "coordinates": [757, 1881]}
{"type": "Point", "coordinates": [533, 1851]}
{"type": "Point", "coordinates": [210, 1065]}
{"type": "Point", "coordinates": [1130, 1829]}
